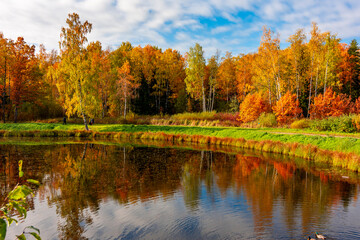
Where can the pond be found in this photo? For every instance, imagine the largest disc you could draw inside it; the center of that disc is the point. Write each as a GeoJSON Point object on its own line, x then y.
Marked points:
{"type": "Point", "coordinates": [126, 191]}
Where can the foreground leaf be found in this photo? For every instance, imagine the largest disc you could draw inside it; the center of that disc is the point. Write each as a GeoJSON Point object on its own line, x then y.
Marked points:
{"type": "Point", "coordinates": [21, 192]}
{"type": "Point", "coordinates": [36, 235]}
{"type": "Point", "coordinates": [21, 237]}
{"type": "Point", "coordinates": [34, 228]}
{"type": "Point", "coordinates": [3, 227]}
{"type": "Point", "coordinates": [33, 181]}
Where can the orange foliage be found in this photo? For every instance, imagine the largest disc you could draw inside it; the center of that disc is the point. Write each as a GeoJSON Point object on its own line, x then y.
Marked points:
{"type": "Point", "coordinates": [227, 77]}
{"type": "Point", "coordinates": [346, 65]}
{"type": "Point", "coordinates": [251, 108]}
{"type": "Point", "coordinates": [287, 108]}
{"type": "Point", "coordinates": [330, 104]}
{"type": "Point", "coordinates": [356, 107]}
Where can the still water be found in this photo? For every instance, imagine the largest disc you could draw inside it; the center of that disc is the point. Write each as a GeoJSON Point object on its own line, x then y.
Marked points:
{"type": "Point", "coordinates": [95, 191]}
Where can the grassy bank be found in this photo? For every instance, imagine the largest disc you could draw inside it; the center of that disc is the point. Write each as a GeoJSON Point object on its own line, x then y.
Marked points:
{"type": "Point", "coordinates": [339, 151]}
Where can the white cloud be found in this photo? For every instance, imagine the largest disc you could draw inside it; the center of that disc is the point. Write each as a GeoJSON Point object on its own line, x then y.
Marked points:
{"type": "Point", "coordinates": [221, 29]}
{"type": "Point", "coordinates": [158, 22]}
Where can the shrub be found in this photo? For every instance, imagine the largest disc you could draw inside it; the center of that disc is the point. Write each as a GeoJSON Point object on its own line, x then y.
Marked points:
{"type": "Point", "coordinates": [251, 108]}
{"type": "Point", "coordinates": [226, 116]}
{"type": "Point", "coordinates": [334, 124]}
{"type": "Point", "coordinates": [233, 106]}
{"type": "Point", "coordinates": [356, 122]}
{"type": "Point", "coordinates": [195, 116]}
{"type": "Point", "coordinates": [300, 124]}
{"type": "Point", "coordinates": [287, 108]}
{"type": "Point", "coordinates": [330, 104]}
{"type": "Point", "coordinates": [267, 120]}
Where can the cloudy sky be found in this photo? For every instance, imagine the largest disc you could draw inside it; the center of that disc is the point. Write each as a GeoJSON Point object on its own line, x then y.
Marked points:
{"type": "Point", "coordinates": [227, 25]}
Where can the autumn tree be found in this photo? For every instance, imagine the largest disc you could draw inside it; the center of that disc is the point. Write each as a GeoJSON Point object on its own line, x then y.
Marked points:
{"type": "Point", "coordinates": [332, 56]}
{"type": "Point", "coordinates": [315, 48]}
{"type": "Point", "coordinates": [50, 106]}
{"type": "Point", "coordinates": [100, 77]}
{"type": "Point", "coordinates": [195, 73]}
{"type": "Point", "coordinates": [244, 75]}
{"type": "Point", "coordinates": [24, 75]}
{"type": "Point", "coordinates": [252, 107]}
{"type": "Point", "coordinates": [5, 60]}
{"type": "Point", "coordinates": [73, 65]}
{"type": "Point", "coordinates": [227, 77]}
{"type": "Point", "coordinates": [213, 68]}
{"type": "Point", "coordinates": [345, 67]}
{"type": "Point", "coordinates": [117, 58]}
{"type": "Point", "coordinates": [269, 63]}
{"type": "Point", "coordinates": [173, 69]}
{"type": "Point", "coordinates": [126, 85]}
{"type": "Point", "coordinates": [297, 47]}
{"type": "Point", "coordinates": [143, 61]}
{"type": "Point", "coordinates": [287, 108]}
{"type": "Point", "coordinates": [353, 86]}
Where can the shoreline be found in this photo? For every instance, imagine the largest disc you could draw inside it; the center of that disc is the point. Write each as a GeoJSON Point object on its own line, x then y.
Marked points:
{"type": "Point", "coordinates": [291, 145]}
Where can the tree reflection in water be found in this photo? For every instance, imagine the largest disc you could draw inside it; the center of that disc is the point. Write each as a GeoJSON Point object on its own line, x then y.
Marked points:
{"type": "Point", "coordinates": [78, 178]}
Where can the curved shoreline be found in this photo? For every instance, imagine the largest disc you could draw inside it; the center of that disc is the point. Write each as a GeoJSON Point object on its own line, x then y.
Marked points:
{"type": "Point", "coordinates": [346, 160]}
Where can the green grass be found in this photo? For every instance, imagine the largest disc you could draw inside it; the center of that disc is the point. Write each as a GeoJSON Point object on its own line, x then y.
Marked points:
{"type": "Point", "coordinates": [343, 144]}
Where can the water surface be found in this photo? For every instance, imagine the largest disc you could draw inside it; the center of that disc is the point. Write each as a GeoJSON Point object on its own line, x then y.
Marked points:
{"type": "Point", "coordinates": [95, 191]}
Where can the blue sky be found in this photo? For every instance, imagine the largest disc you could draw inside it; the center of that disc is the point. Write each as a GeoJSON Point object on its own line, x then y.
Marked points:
{"type": "Point", "coordinates": [227, 25]}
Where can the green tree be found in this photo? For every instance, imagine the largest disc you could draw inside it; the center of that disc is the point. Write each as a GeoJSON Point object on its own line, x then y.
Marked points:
{"type": "Point", "coordinates": [73, 65]}
{"type": "Point", "coordinates": [332, 56]}
{"type": "Point", "coordinates": [297, 47]}
{"type": "Point", "coordinates": [213, 66]}
{"type": "Point", "coordinates": [354, 87]}
{"type": "Point", "coordinates": [195, 74]}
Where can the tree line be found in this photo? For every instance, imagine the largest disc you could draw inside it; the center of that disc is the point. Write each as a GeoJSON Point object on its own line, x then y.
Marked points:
{"type": "Point", "coordinates": [87, 80]}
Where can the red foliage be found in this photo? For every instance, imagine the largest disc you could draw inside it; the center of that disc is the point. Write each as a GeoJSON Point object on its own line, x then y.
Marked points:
{"type": "Point", "coordinates": [330, 104]}
{"type": "Point", "coordinates": [287, 108]}
{"type": "Point", "coordinates": [346, 65]}
{"type": "Point", "coordinates": [226, 116]}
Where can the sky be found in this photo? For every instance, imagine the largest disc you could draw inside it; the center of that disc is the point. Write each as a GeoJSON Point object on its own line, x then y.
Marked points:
{"type": "Point", "coordinates": [227, 25]}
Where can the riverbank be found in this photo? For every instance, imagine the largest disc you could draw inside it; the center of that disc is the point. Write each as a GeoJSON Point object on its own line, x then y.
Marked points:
{"type": "Point", "coordinates": [341, 151]}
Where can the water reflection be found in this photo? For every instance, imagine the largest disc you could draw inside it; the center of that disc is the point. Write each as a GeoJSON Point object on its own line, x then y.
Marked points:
{"type": "Point", "coordinates": [107, 192]}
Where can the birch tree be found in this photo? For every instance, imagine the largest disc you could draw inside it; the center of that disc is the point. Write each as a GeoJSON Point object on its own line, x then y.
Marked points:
{"type": "Point", "coordinates": [73, 65]}
{"type": "Point", "coordinates": [195, 74]}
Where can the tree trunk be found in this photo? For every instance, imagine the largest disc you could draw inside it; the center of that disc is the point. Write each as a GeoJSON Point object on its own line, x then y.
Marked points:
{"type": "Point", "coordinates": [166, 98]}
{"type": "Point", "coordinates": [103, 105]}
{"type": "Point", "coordinates": [81, 105]}
{"type": "Point", "coordinates": [210, 98]}
{"type": "Point", "coordinates": [125, 99]}
{"type": "Point", "coordinates": [297, 80]}
{"type": "Point", "coordinates": [316, 81]}
{"type": "Point", "coordinates": [203, 94]}
{"type": "Point", "coordinates": [9, 108]}
{"type": "Point", "coordinates": [4, 94]}
{"type": "Point", "coordinates": [311, 78]}
{"type": "Point", "coordinates": [269, 86]}
{"type": "Point", "coordinates": [125, 103]}
{"type": "Point", "coordinates": [15, 114]}
{"type": "Point", "coordinates": [326, 71]}
{"type": "Point", "coordinates": [227, 96]}
{"type": "Point", "coordinates": [213, 99]}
